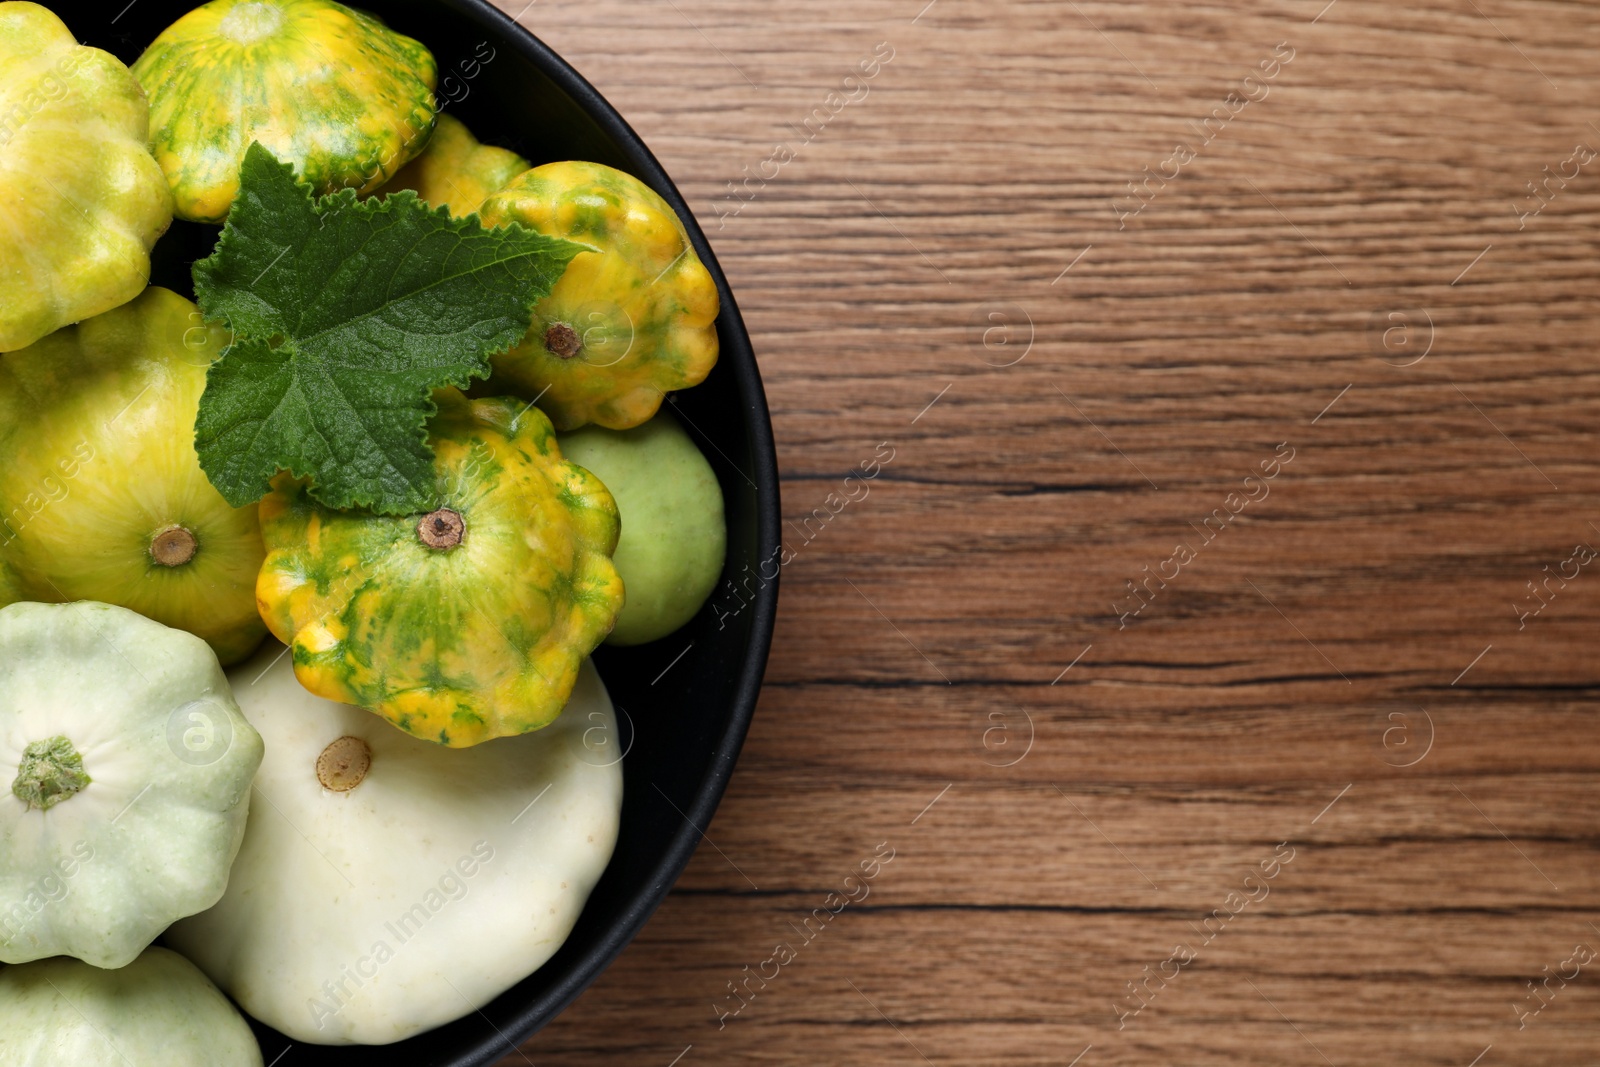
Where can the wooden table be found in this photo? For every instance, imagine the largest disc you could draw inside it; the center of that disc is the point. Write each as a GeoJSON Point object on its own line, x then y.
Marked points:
{"type": "Point", "coordinates": [1253, 307]}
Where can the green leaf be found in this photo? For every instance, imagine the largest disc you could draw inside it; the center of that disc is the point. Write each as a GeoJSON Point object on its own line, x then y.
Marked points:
{"type": "Point", "coordinates": [347, 314]}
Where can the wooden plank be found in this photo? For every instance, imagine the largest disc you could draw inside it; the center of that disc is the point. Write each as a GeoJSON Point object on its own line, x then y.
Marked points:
{"type": "Point", "coordinates": [952, 272]}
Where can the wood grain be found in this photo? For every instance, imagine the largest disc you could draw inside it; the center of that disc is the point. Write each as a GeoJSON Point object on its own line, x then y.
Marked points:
{"type": "Point", "coordinates": [1340, 271]}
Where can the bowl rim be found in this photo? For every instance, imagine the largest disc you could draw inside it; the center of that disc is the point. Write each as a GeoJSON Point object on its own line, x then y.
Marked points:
{"type": "Point", "coordinates": [740, 358]}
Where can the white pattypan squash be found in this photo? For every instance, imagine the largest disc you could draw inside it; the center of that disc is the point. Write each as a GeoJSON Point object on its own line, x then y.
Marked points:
{"type": "Point", "coordinates": [158, 1009]}
{"type": "Point", "coordinates": [389, 884]}
{"type": "Point", "coordinates": [129, 768]}
{"type": "Point", "coordinates": [82, 200]}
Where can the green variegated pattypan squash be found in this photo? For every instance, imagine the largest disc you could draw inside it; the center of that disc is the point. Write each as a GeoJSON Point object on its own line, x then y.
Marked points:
{"type": "Point", "coordinates": [627, 323]}
{"type": "Point", "coordinates": [101, 493]}
{"type": "Point", "coordinates": [455, 171]}
{"type": "Point", "coordinates": [128, 766]}
{"type": "Point", "coordinates": [81, 199]}
{"type": "Point", "coordinates": [332, 90]}
{"type": "Point", "coordinates": [158, 1009]}
{"type": "Point", "coordinates": [464, 624]}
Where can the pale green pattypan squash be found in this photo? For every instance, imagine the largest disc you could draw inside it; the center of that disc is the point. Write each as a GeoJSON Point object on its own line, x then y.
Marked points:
{"type": "Point", "coordinates": [673, 537]}
{"type": "Point", "coordinates": [101, 493]}
{"type": "Point", "coordinates": [81, 199]}
{"type": "Point", "coordinates": [158, 1009]}
{"type": "Point", "coordinates": [392, 884]}
{"type": "Point", "coordinates": [129, 768]}
{"type": "Point", "coordinates": [330, 89]}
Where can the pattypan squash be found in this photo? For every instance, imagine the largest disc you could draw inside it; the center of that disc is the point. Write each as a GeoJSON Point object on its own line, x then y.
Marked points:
{"type": "Point", "coordinates": [130, 769]}
{"type": "Point", "coordinates": [626, 324]}
{"type": "Point", "coordinates": [158, 1009]}
{"type": "Point", "coordinates": [393, 885]}
{"type": "Point", "coordinates": [332, 90]}
{"type": "Point", "coordinates": [81, 200]}
{"type": "Point", "coordinates": [10, 587]}
{"type": "Point", "coordinates": [102, 496]}
{"type": "Point", "coordinates": [466, 623]}
{"type": "Point", "coordinates": [455, 171]}
{"type": "Point", "coordinates": [673, 536]}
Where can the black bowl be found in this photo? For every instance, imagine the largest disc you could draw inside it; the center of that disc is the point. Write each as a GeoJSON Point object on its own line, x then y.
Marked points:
{"type": "Point", "coordinates": [687, 699]}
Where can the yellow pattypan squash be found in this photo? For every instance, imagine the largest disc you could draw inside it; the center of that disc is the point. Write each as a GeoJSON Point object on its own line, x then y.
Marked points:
{"type": "Point", "coordinates": [464, 624]}
{"type": "Point", "coordinates": [81, 200]}
{"type": "Point", "coordinates": [10, 587]}
{"type": "Point", "coordinates": [101, 493]}
{"type": "Point", "coordinates": [626, 324]}
{"type": "Point", "coordinates": [332, 90]}
{"type": "Point", "coordinates": [455, 171]}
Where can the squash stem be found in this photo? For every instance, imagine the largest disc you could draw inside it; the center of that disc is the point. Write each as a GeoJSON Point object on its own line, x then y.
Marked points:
{"type": "Point", "coordinates": [442, 529]}
{"type": "Point", "coordinates": [51, 771]}
{"type": "Point", "coordinates": [562, 340]}
{"type": "Point", "coordinates": [173, 546]}
{"type": "Point", "coordinates": [344, 764]}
